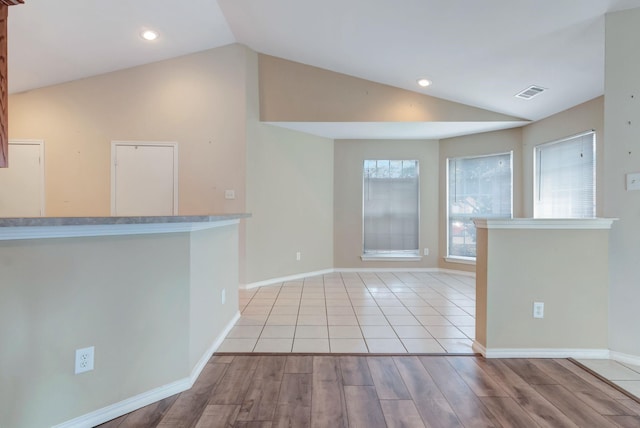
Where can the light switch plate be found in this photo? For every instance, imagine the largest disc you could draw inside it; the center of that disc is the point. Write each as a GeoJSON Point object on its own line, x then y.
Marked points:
{"type": "Point", "coordinates": [229, 194]}
{"type": "Point", "coordinates": [633, 181]}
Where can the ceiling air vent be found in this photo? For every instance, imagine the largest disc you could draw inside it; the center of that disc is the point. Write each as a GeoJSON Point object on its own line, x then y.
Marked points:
{"type": "Point", "coordinates": [530, 92]}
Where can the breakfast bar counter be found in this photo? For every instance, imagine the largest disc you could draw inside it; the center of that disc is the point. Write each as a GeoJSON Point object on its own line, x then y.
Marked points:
{"type": "Point", "coordinates": [154, 297]}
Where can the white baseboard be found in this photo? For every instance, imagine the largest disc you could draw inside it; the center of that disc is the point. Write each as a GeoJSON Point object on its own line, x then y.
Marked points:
{"type": "Point", "coordinates": [386, 270]}
{"type": "Point", "coordinates": [625, 358]}
{"type": "Point", "coordinates": [541, 352]}
{"type": "Point", "coordinates": [286, 278]}
{"type": "Point", "coordinates": [214, 346]}
{"type": "Point", "coordinates": [136, 402]}
{"type": "Point", "coordinates": [479, 349]}
{"type": "Point", "coordinates": [346, 270]}
{"type": "Point", "coordinates": [457, 272]}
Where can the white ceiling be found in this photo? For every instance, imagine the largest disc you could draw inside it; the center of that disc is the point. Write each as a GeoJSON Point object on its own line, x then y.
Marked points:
{"type": "Point", "coordinates": [479, 53]}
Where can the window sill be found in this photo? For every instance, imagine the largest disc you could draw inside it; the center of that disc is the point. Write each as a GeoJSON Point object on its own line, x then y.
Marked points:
{"type": "Point", "coordinates": [391, 258]}
{"type": "Point", "coordinates": [461, 260]}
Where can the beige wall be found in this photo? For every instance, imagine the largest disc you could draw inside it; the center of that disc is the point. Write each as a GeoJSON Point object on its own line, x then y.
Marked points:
{"type": "Point", "coordinates": [622, 156]}
{"type": "Point", "coordinates": [213, 268]}
{"type": "Point", "coordinates": [289, 193]}
{"type": "Point", "coordinates": [477, 145]}
{"type": "Point", "coordinates": [290, 196]}
{"type": "Point", "coordinates": [148, 303]}
{"type": "Point", "coordinates": [349, 157]}
{"type": "Point", "coordinates": [196, 100]}
{"type": "Point", "coordinates": [294, 92]}
{"type": "Point", "coordinates": [581, 118]}
{"type": "Point", "coordinates": [565, 269]}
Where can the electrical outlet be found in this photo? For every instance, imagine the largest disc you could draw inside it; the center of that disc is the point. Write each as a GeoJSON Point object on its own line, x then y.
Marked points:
{"type": "Point", "coordinates": [223, 296]}
{"type": "Point", "coordinates": [84, 359]}
{"type": "Point", "coordinates": [426, 252]}
{"type": "Point", "coordinates": [538, 309]}
{"type": "Point", "coordinates": [298, 256]}
{"type": "Point", "coordinates": [229, 194]}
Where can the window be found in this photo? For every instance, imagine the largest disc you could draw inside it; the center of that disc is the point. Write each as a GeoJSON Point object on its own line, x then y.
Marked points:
{"type": "Point", "coordinates": [565, 178]}
{"type": "Point", "coordinates": [476, 187]}
{"type": "Point", "coordinates": [390, 208]}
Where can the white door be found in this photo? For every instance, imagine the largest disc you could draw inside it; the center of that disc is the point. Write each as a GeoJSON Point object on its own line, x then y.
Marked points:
{"type": "Point", "coordinates": [22, 183]}
{"type": "Point", "coordinates": [144, 179]}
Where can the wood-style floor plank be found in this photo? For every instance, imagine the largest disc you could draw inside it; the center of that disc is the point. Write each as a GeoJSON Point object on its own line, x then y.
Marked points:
{"type": "Point", "coordinates": [189, 405]}
{"type": "Point", "coordinates": [579, 412]}
{"type": "Point", "coordinates": [625, 421]}
{"type": "Point", "coordinates": [634, 406]}
{"type": "Point", "coordinates": [598, 400]}
{"type": "Point", "coordinates": [218, 416]}
{"type": "Point", "coordinates": [355, 371]}
{"type": "Point", "coordinates": [432, 405]}
{"type": "Point", "coordinates": [301, 391]}
{"type": "Point", "coordinates": [478, 380]}
{"type": "Point", "coordinates": [294, 401]}
{"type": "Point", "coordinates": [401, 414]}
{"type": "Point", "coordinates": [363, 407]}
{"type": "Point", "coordinates": [387, 379]}
{"type": "Point", "coordinates": [299, 364]}
{"type": "Point", "coordinates": [537, 407]}
{"type": "Point", "coordinates": [593, 381]}
{"type": "Point", "coordinates": [253, 424]}
{"type": "Point", "coordinates": [151, 415]}
{"type": "Point", "coordinates": [507, 412]}
{"type": "Point", "coordinates": [222, 359]}
{"type": "Point", "coordinates": [529, 371]}
{"type": "Point", "coordinates": [234, 385]}
{"type": "Point", "coordinates": [328, 408]}
{"type": "Point", "coordinates": [262, 395]}
{"type": "Point", "coordinates": [466, 405]}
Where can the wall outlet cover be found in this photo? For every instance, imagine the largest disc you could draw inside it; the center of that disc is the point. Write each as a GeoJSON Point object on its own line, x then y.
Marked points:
{"type": "Point", "coordinates": [84, 359]}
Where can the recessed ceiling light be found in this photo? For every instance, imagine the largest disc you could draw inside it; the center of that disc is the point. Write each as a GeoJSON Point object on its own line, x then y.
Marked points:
{"type": "Point", "coordinates": [149, 35]}
{"type": "Point", "coordinates": [424, 82]}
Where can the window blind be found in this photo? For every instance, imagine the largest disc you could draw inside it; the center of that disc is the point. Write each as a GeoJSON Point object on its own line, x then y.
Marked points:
{"type": "Point", "coordinates": [565, 178]}
{"type": "Point", "coordinates": [477, 187]}
{"type": "Point", "coordinates": [390, 206]}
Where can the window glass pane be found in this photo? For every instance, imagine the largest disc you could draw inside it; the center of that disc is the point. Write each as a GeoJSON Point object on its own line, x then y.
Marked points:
{"type": "Point", "coordinates": [565, 178]}
{"type": "Point", "coordinates": [477, 187]}
{"type": "Point", "coordinates": [391, 206]}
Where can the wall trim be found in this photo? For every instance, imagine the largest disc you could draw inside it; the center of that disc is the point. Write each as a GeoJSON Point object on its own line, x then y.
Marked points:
{"type": "Point", "coordinates": [457, 272]}
{"type": "Point", "coordinates": [625, 358]}
{"type": "Point", "coordinates": [285, 278]}
{"type": "Point", "coordinates": [338, 270]}
{"type": "Point", "coordinates": [136, 402]}
{"type": "Point", "coordinates": [577, 353]}
{"type": "Point", "coordinates": [346, 270]}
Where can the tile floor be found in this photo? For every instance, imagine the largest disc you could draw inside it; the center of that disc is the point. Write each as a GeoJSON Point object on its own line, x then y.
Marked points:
{"type": "Point", "coordinates": [627, 376]}
{"type": "Point", "coordinates": [398, 312]}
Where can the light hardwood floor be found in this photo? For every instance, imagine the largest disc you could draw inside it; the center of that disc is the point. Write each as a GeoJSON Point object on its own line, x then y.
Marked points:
{"type": "Point", "coordinates": [331, 391]}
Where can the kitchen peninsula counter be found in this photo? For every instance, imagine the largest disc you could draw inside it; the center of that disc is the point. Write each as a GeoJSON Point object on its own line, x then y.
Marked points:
{"type": "Point", "coordinates": [154, 296]}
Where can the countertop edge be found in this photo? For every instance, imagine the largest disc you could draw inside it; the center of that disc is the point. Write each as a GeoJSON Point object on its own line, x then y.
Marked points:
{"type": "Point", "coordinates": [94, 221]}
{"type": "Point", "coordinates": [71, 227]}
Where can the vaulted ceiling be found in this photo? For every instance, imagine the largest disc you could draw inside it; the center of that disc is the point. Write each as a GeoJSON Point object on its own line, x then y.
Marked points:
{"type": "Point", "coordinates": [479, 53]}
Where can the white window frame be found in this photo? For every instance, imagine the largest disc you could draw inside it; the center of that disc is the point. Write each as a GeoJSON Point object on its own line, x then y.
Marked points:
{"type": "Point", "coordinates": [536, 173]}
{"type": "Point", "coordinates": [462, 259]}
{"type": "Point", "coordinates": [412, 255]}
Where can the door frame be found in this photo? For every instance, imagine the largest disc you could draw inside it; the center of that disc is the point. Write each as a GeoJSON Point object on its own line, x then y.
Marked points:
{"type": "Point", "coordinates": [40, 143]}
{"type": "Point", "coordinates": [115, 144]}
